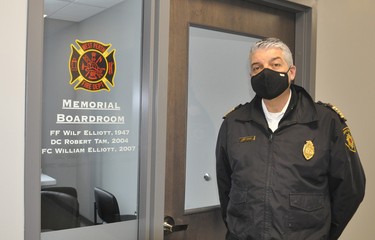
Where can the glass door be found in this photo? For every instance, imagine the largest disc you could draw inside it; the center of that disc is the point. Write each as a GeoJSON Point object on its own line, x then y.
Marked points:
{"type": "Point", "coordinates": [90, 154]}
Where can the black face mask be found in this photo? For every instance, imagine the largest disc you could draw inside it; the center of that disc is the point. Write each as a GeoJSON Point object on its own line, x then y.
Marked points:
{"type": "Point", "coordinates": [269, 84]}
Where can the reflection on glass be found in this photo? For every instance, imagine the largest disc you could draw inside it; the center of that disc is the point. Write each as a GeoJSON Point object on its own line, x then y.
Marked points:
{"type": "Point", "coordinates": [91, 112]}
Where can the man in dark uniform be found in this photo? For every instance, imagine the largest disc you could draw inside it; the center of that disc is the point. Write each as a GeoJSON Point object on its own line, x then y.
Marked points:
{"type": "Point", "coordinates": [287, 167]}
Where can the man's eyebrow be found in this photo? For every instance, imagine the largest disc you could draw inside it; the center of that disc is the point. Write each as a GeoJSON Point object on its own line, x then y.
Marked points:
{"type": "Point", "coordinates": [272, 59]}
{"type": "Point", "coordinates": [275, 58]}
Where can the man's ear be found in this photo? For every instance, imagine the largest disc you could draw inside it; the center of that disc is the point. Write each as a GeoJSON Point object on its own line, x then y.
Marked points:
{"type": "Point", "coordinates": [292, 73]}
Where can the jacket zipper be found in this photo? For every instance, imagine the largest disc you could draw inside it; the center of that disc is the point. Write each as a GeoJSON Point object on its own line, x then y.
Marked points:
{"type": "Point", "coordinates": [267, 213]}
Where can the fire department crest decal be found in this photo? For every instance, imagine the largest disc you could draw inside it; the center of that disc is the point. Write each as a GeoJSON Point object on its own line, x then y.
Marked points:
{"type": "Point", "coordinates": [92, 67]}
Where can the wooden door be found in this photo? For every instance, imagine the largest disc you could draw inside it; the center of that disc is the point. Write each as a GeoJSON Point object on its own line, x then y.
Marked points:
{"type": "Point", "coordinates": [234, 16]}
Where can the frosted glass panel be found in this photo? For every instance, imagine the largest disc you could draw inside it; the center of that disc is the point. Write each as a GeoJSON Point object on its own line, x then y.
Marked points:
{"type": "Point", "coordinates": [218, 81]}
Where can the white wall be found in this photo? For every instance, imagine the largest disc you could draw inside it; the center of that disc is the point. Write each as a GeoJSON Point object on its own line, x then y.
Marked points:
{"type": "Point", "coordinates": [346, 78]}
{"type": "Point", "coordinates": [12, 104]}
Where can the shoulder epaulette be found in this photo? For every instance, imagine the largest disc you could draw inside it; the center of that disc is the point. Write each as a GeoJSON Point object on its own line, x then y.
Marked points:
{"type": "Point", "coordinates": [334, 108]}
{"type": "Point", "coordinates": [238, 106]}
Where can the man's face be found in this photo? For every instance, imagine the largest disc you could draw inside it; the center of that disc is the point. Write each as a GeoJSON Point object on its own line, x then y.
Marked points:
{"type": "Point", "coordinates": [271, 58]}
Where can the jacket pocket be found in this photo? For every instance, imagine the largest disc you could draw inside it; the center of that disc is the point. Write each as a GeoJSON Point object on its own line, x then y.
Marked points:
{"type": "Point", "coordinates": [307, 211]}
{"type": "Point", "coordinates": [237, 203]}
{"type": "Point", "coordinates": [239, 214]}
{"type": "Point", "coordinates": [306, 201]}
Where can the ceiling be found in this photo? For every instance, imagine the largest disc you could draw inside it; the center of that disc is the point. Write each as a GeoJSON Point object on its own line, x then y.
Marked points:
{"type": "Point", "coordinates": [76, 10]}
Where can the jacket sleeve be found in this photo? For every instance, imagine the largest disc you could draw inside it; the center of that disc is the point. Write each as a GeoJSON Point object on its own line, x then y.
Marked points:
{"type": "Point", "coordinates": [346, 178]}
{"type": "Point", "coordinates": [223, 170]}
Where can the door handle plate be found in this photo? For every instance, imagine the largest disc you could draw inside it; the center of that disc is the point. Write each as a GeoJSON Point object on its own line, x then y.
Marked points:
{"type": "Point", "coordinates": [170, 226]}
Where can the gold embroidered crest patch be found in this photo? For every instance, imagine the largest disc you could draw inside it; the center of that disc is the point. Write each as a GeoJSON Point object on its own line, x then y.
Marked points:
{"type": "Point", "coordinates": [349, 141]}
{"type": "Point", "coordinates": [308, 150]}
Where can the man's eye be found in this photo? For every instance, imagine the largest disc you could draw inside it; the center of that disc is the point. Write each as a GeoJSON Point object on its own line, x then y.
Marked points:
{"type": "Point", "coordinates": [256, 69]}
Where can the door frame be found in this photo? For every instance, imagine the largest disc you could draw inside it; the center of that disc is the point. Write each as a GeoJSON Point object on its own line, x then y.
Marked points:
{"type": "Point", "coordinates": [154, 105]}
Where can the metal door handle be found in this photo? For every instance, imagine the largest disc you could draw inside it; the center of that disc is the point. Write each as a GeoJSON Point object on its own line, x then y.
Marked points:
{"type": "Point", "coordinates": [170, 227]}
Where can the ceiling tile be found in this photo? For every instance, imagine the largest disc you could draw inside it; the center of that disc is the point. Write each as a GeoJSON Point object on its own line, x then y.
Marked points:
{"type": "Point", "coordinates": [51, 6]}
{"type": "Point", "coordinates": [100, 3]}
{"type": "Point", "coordinates": [76, 12]}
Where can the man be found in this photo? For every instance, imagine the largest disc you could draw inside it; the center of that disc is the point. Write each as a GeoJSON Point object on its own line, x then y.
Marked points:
{"type": "Point", "coordinates": [287, 167]}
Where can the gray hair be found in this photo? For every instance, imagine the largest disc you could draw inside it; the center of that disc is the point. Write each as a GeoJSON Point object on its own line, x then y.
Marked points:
{"type": "Point", "coordinates": [273, 43]}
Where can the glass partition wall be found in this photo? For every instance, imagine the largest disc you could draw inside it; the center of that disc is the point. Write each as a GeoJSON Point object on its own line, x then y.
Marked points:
{"type": "Point", "coordinates": [91, 118]}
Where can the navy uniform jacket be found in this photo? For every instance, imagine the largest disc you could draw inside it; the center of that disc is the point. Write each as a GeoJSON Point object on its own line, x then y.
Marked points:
{"type": "Point", "coordinates": [302, 182]}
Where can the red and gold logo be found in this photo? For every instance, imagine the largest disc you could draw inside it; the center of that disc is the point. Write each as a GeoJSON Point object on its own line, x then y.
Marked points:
{"type": "Point", "coordinates": [91, 66]}
{"type": "Point", "coordinates": [349, 141]}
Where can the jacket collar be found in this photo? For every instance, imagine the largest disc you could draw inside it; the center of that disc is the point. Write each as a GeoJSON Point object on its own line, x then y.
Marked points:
{"type": "Point", "coordinates": [301, 109]}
